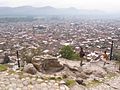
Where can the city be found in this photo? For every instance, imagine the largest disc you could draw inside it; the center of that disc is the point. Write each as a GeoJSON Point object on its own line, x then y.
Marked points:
{"type": "Point", "coordinates": [59, 45]}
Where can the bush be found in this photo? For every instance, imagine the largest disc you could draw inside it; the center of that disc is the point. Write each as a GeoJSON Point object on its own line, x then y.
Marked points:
{"type": "Point", "coordinates": [68, 53]}
{"type": "Point", "coordinates": [116, 56]}
{"type": "Point", "coordinates": [70, 82]}
{"type": "Point", "coordinates": [3, 67]}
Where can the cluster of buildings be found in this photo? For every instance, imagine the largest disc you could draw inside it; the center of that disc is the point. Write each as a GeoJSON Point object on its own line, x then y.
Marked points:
{"type": "Point", "coordinates": [94, 35]}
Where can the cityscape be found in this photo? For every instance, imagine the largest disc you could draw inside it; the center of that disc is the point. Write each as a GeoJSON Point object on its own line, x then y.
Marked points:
{"type": "Point", "coordinates": [59, 48]}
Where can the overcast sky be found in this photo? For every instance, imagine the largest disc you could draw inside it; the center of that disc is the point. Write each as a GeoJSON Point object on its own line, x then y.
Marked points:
{"type": "Point", "coordinates": [106, 5]}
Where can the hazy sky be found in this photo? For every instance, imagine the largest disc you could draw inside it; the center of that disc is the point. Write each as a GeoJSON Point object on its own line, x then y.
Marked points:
{"type": "Point", "coordinates": [106, 5]}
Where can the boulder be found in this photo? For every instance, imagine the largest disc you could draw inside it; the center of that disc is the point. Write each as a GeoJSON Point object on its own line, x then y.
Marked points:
{"type": "Point", "coordinates": [29, 68]}
{"type": "Point", "coordinates": [79, 81]}
{"type": "Point", "coordinates": [94, 69]}
{"type": "Point", "coordinates": [47, 64]}
{"type": "Point", "coordinates": [37, 62]}
{"type": "Point", "coordinates": [81, 75]}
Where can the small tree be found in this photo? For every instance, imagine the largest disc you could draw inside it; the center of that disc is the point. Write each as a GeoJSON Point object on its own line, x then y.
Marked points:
{"type": "Point", "coordinates": [68, 53]}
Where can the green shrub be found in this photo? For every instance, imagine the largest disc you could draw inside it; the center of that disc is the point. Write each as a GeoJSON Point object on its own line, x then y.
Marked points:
{"type": "Point", "coordinates": [3, 67]}
{"type": "Point", "coordinates": [70, 82]}
{"type": "Point", "coordinates": [68, 53]}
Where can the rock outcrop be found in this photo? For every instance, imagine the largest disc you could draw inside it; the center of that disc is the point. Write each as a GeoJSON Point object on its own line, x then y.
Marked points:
{"type": "Point", "coordinates": [29, 68]}
{"type": "Point", "coordinates": [47, 64]}
{"type": "Point", "coordinates": [94, 69]}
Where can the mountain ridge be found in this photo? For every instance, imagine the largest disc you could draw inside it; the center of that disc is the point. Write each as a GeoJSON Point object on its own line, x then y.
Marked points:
{"type": "Point", "coordinates": [46, 10]}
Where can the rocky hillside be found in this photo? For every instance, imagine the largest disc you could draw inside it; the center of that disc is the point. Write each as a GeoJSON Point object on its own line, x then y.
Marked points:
{"type": "Point", "coordinates": [50, 73]}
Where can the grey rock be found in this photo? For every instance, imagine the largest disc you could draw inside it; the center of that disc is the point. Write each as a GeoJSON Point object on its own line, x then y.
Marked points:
{"type": "Point", "coordinates": [47, 64]}
{"type": "Point", "coordinates": [29, 68]}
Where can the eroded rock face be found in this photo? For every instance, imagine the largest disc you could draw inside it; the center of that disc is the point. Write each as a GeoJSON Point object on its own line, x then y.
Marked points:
{"type": "Point", "coordinates": [29, 68]}
{"type": "Point", "coordinates": [47, 64]}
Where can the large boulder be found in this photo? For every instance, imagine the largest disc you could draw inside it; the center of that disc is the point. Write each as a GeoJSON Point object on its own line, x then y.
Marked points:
{"type": "Point", "coordinates": [47, 64]}
{"type": "Point", "coordinates": [29, 68]}
{"type": "Point", "coordinates": [94, 69]}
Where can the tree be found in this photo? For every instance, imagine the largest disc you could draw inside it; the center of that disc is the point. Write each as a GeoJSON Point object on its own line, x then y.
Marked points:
{"type": "Point", "coordinates": [68, 53]}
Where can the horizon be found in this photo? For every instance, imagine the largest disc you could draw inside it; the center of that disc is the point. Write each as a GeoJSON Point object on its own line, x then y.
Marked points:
{"type": "Point", "coordinates": [101, 5]}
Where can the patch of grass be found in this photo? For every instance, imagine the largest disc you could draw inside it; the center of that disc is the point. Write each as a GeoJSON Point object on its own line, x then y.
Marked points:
{"type": "Point", "coordinates": [52, 78]}
{"type": "Point", "coordinates": [93, 83]}
{"type": "Point", "coordinates": [55, 78]}
{"type": "Point", "coordinates": [59, 78]}
{"type": "Point", "coordinates": [70, 82]}
{"type": "Point", "coordinates": [3, 67]}
{"type": "Point", "coordinates": [110, 75]}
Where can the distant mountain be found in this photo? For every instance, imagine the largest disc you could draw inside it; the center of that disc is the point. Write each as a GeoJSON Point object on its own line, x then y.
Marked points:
{"type": "Point", "coordinates": [47, 10]}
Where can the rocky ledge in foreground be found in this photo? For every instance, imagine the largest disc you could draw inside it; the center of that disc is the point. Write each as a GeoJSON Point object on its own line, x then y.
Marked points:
{"type": "Point", "coordinates": [18, 80]}
{"type": "Point", "coordinates": [69, 76]}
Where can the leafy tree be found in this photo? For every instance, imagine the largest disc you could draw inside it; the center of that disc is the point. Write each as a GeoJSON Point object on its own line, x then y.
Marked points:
{"type": "Point", "coordinates": [68, 53]}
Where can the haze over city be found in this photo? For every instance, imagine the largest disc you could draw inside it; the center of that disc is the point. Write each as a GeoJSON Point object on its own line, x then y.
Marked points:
{"type": "Point", "coordinates": [104, 5]}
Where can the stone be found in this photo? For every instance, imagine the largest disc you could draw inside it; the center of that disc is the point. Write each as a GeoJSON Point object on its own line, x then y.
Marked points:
{"type": "Point", "coordinates": [79, 81]}
{"type": "Point", "coordinates": [82, 75]}
{"type": "Point", "coordinates": [45, 88]}
{"type": "Point", "coordinates": [56, 84]}
{"type": "Point", "coordinates": [43, 84]}
{"type": "Point", "coordinates": [39, 80]}
{"type": "Point", "coordinates": [29, 68]}
{"type": "Point", "coordinates": [24, 88]}
{"type": "Point", "coordinates": [10, 89]}
{"type": "Point", "coordinates": [47, 64]}
{"type": "Point", "coordinates": [63, 87]}
{"type": "Point", "coordinates": [94, 69]}
{"type": "Point", "coordinates": [25, 83]}
{"type": "Point", "coordinates": [78, 87]}
{"type": "Point", "coordinates": [88, 72]}
{"type": "Point", "coordinates": [62, 82]}
{"type": "Point", "coordinates": [33, 82]}
{"type": "Point", "coordinates": [30, 87]}
{"type": "Point", "coordinates": [20, 85]}
{"type": "Point", "coordinates": [18, 89]}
